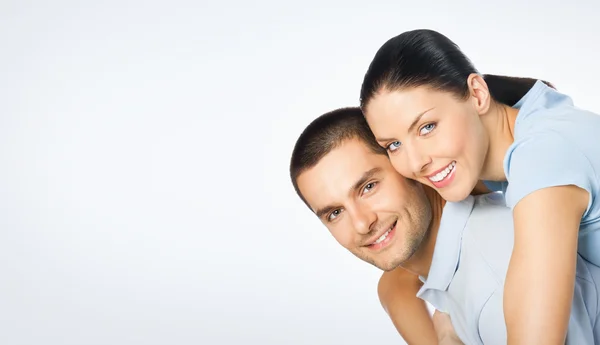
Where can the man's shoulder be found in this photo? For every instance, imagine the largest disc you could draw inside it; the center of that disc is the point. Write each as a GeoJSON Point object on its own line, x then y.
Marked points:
{"type": "Point", "coordinates": [489, 233]}
{"type": "Point", "coordinates": [495, 199]}
{"type": "Point", "coordinates": [486, 219]}
{"type": "Point", "coordinates": [485, 250]}
{"type": "Point", "coordinates": [491, 214]}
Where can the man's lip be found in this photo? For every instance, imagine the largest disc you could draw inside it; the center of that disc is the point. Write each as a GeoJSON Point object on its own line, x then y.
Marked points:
{"type": "Point", "coordinates": [374, 238]}
{"type": "Point", "coordinates": [438, 171]}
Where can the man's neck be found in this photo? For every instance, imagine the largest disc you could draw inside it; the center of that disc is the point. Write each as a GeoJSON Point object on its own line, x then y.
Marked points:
{"type": "Point", "coordinates": [499, 123]}
{"type": "Point", "coordinates": [420, 262]}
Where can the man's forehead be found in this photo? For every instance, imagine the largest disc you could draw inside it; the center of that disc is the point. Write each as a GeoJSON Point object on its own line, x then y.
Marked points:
{"type": "Point", "coordinates": [336, 173]}
{"type": "Point", "coordinates": [351, 159]}
{"type": "Point", "coordinates": [357, 154]}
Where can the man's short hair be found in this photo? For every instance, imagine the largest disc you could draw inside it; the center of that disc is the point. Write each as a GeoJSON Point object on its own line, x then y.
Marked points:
{"type": "Point", "coordinates": [326, 133]}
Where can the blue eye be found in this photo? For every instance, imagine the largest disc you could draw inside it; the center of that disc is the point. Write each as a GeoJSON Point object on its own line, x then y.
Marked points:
{"type": "Point", "coordinates": [333, 215]}
{"type": "Point", "coordinates": [394, 146]}
{"type": "Point", "coordinates": [427, 129]}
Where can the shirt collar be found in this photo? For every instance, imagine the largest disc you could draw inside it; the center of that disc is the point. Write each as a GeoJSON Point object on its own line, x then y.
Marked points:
{"type": "Point", "coordinates": [540, 96]}
{"type": "Point", "coordinates": [530, 96]}
{"type": "Point", "coordinates": [446, 252]}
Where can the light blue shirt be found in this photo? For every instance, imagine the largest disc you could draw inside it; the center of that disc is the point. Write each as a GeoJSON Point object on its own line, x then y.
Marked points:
{"type": "Point", "coordinates": [556, 144]}
{"type": "Point", "coordinates": [468, 269]}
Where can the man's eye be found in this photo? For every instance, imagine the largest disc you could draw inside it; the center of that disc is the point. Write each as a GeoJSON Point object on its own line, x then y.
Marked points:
{"type": "Point", "coordinates": [333, 215]}
{"type": "Point", "coordinates": [369, 186]}
{"type": "Point", "coordinates": [394, 146]}
{"type": "Point", "coordinates": [427, 129]}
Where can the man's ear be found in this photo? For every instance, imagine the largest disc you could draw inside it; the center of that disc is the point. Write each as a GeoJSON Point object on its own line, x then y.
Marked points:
{"type": "Point", "coordinates": [479, 93]}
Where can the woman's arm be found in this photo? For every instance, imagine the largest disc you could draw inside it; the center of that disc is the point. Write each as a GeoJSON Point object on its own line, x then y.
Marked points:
{"type": "Point", "coordinates": [540, 281]}
{"type": "Point", "coordinates": [397, 291]}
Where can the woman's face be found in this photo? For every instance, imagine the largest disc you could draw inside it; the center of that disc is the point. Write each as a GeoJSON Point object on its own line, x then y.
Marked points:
{"type": "Point", "coordinates": [432, 136]}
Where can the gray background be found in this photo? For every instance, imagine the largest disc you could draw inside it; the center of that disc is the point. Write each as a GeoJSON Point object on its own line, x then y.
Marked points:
{"type": "Point", "coordinates": [144, 195]}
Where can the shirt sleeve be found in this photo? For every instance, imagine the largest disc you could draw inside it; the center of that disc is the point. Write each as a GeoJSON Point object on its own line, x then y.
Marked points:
{"type": "Point", "coordinates": [546, 160]}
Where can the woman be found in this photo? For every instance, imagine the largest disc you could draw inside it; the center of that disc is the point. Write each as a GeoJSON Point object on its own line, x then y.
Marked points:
{"type": "Point", "coordinates": [448, 127]}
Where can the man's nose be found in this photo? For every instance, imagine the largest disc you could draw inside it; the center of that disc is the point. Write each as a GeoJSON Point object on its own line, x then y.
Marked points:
{"type": "Point", "coordinates": [363, 218]}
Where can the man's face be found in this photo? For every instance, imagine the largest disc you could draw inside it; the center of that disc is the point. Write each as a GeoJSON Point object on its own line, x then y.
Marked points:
{"type": "Point", "coordinates": [369, 208]}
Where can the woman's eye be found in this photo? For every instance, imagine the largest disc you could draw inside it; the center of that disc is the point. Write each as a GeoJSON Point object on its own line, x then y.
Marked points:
{"type": "Point", "coordinates": [393, 146]}
{"type": "Point", "coordinates": [427, 129]}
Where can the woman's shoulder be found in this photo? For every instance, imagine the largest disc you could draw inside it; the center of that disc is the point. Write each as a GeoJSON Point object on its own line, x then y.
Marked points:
{"type": "Point", "coordinates": [545, 110]}
{"type": "Point", "coordinates": [550, 158]}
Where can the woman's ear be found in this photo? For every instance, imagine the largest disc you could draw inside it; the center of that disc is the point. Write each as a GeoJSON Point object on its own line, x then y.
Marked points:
{"type": "Point", "coordinates": [479, 93]}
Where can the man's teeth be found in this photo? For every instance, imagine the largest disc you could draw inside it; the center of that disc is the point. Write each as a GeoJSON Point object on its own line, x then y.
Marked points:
{"type": "Point", "coordinates": [385, 234]}
{"type": "Point", "coordinates": [442, 174]}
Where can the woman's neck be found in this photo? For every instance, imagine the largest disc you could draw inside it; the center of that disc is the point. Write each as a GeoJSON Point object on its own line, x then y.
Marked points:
{"type": "Point", "coordinates": [499, 122]}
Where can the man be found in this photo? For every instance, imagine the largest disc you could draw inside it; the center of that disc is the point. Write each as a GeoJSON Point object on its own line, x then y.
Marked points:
{"type": "Point", "coordinates": [346, 179]}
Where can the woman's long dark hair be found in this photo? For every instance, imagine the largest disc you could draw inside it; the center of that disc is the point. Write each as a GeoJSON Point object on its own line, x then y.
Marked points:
{"type": "Point", "coordinates": [426, 57]}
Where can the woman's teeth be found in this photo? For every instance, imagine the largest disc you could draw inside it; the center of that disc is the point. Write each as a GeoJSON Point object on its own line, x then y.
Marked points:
{"type": "Point", "coordinates": [442, 174]}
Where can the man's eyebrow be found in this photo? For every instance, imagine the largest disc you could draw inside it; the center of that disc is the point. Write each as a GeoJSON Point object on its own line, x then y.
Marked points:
{"type": "Point", "coordinates": [357, 185]}
{"type": "Point", "coordinates": [364, 178]}
{"type": "Point", "coordinates": [411, 127]}
{"type": "Point", "coordinates": [325, 210]}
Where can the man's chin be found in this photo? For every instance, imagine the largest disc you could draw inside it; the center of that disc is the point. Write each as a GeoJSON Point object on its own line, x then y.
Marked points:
{"type": "Point", "coordinates": [388, 266]}
{"type": "Point", "coordinates": [382, 261]}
